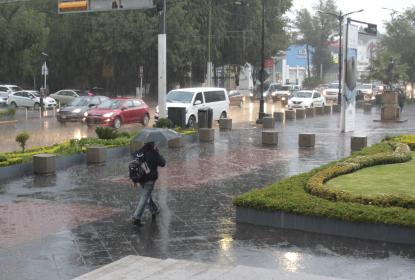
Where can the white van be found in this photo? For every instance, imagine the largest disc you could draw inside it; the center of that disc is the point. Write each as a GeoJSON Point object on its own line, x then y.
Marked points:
{"type": "Point", "coordinates": [194, 99]}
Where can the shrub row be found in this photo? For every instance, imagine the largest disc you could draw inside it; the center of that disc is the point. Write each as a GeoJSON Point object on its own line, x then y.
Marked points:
{"type": "Point", "coordinates": [316, 185]}
{"type": "Point", "coordinates": [9, 112]}
{"type": "Point", "coordinates": [406, 139]}
{"type": "Point", "coordinates": [289, 195]}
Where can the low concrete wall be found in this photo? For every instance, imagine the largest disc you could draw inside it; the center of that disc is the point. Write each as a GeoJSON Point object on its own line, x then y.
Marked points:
{"type": "Point", "coordinates": [277, 219]}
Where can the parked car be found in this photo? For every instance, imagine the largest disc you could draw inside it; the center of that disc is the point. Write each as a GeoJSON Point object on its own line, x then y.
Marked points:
{"type": "Point", "coordinates": [5, 91]}
{"type": "Point", "coordinates": [29, 99]}
{"type": "Point", "coordinates": [273, 87]}
{"type": "Point", "coordinates": [193, 99]}
{"type": "Point", "coordinates": [236, 98]}
{"type": "Point", "coordinates": [306, 99]}
{"type": "Point", "coordinates": [76, 109]}
{"type": "Point", "coordinates": [118, 111]}
{"type": "Point", "coordinates": [65, 96]}
{"type": "Point", "coordinates": [331, 92]}
{"type": "Point", "coordinates": [284, 93]}
{"type": "Point", "coordinates": [366, 92]}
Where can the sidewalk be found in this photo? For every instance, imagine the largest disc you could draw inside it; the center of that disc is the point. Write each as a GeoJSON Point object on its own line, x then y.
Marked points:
{"type": "Point", "coordinates": [62, 226]}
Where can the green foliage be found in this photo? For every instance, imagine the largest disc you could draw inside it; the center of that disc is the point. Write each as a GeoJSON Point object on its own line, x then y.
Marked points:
{"type": "Point", "coordinates": [9, 112]}
{"type": "Point", "coordinates": [3, 158]}
{"type": "Point", "coordinates": [289, 195]}
{"type": "Point", "coordinates": [22, 138]}
{"type": "Point", "coordinates": [407, 139]}
{"type": "Point", "coordinates": [311, 82]}
{"type": "Point", "coordinates": [164, 123]}
{"type": "Point", "coordinates": [106, 132]}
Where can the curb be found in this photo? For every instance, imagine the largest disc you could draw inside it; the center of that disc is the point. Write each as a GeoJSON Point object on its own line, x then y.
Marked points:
{"type": "Point", "coordinates": [285, 220]}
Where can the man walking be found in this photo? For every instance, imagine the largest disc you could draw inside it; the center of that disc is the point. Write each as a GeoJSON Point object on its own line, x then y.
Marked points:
{"type": "Point", "coordinates": [153, 159]}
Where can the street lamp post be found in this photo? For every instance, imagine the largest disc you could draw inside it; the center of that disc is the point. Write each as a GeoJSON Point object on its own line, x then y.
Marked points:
{"type": "Point", "coordinates": [340, 17]}
{"type": "Point", "coordinates": [261, 100]}
{"type": "Point", "coordinates": [45, 73]}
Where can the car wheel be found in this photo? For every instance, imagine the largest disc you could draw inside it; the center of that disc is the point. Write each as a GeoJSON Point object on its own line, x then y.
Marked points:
{"type": "Point", "coordinates": [191, 122]}
{"type": "Point", "coordinates": [223, 115]}
{"type": "Point", "coordinates": [36, 106]}
{"type": "Point", "coordinates": [146, 120]}
{"type": "Point", "coordinates": [13, 105]}
{"type": "Point", "coordinates": [117, 123]}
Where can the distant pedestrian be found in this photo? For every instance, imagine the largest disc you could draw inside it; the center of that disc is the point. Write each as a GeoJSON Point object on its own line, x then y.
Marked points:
{"type": "Point", "coordinates": [152, 158]}
{"type": "Point", "coordinates": [401, 99]}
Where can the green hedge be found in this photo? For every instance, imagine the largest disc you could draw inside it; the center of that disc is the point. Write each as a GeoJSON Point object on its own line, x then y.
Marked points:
{"type": "Point", "coordinates": [289, 195]}
{"type": "Point", "coordinates": [406, 139]}
{"type": "Point", "coordinates": [316, 184]}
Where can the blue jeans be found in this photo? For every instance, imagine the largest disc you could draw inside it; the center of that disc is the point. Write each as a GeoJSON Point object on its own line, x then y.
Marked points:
{"type": "Point", "coordinates": [146, 199]}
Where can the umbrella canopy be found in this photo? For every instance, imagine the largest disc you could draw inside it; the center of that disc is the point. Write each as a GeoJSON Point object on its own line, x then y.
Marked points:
{"type": "Point", "coordinates": [160, 136]}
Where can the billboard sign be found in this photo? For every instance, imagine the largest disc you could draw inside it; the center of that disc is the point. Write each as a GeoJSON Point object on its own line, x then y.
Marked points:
{"type": "Point", "coordinates": [79, 6]}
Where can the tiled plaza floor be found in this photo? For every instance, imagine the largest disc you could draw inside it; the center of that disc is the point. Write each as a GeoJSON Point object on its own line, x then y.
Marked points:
{"type": "Point", "coordinates": [62, 226]}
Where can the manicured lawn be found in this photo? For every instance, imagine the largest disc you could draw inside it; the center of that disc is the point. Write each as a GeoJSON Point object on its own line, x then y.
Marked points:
{"type": "Point", "coordinates": [392, 179]}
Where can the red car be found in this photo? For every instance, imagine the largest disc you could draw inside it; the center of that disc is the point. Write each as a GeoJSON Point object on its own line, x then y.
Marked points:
{"type": "Point", "coordinates": [117, 111]}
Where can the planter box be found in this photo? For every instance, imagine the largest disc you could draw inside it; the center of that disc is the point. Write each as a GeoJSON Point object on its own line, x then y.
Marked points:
{"type": "Point", "coordinates": [284, 220]}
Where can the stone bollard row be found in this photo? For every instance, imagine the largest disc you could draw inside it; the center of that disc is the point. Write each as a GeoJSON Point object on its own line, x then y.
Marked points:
{"type": "Point", "coordinates": [306, 140]}
{"type": "Point", "coordinates": [310, 112]}
{"type": "Point", "coordinates": [290, 115]}
{"type": "Point", "coordinates": [44, 164]}
{"type": "Point", "coordinates": [300, 113]}
{"type": "Point", "coordinates": [206, 134]}
{"type": "Point", "coordinates": [270, 137]}
{"type": "Point", "coordinates": [96, 154]}
{"type": "Point", "coordinates": [336, 108]}
{"type": "Point", "coordinates": [268, 123]}
{"type": "Point", "coordinates": [319, 110]}
{"type": "Point", "coordinates": [279, 116]}
{"type": "Point", "coordinates": [225, 124]}
{"type": "Point", "coordinates": [175, 143]}
{"type": "Point", "coordinates": [327, 109]}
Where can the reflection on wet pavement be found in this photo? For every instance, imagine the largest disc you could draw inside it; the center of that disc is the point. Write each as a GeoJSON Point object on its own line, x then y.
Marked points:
{"type": "Point", "coordinates": [197, 220]}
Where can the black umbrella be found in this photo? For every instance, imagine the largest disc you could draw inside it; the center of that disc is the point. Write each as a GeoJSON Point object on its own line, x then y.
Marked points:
{"type": "Point", "coordinates": [160, 136]}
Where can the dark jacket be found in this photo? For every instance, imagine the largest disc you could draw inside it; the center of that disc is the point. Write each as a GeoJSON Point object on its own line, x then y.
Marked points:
{"type": "Point", "coordinates": [154, 160]}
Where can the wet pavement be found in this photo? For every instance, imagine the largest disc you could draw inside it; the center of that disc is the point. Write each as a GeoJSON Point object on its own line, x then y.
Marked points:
{"type": "Point", "coordinates": [62, 226]}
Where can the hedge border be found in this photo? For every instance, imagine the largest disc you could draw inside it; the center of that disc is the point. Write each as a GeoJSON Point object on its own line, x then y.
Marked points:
{"type": "Point", "coordinates": [316, 184]}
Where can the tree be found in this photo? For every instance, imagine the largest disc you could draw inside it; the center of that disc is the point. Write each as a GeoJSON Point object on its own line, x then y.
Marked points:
{"type": "Point", "coordinates": [317, 30]}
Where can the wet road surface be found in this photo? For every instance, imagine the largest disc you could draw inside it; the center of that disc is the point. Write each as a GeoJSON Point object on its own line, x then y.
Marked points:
{"type": "Point", "coordinates": [61, 226]}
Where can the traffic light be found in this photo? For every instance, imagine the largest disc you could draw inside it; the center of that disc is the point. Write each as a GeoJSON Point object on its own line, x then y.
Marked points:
{"type": "Point", "coordinates": [72, 6]}
{"type": "Point", "coordinates": [371, 29]}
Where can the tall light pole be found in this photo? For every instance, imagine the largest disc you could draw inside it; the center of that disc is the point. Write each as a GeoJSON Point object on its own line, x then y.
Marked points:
{"type": "Point", "coordinates": [340, 17]}
{"type": "Point", "coordinates": [162, 68]}
{"type": "Point", "coordinates": [45, 73]}
{"type": "Point", "coordinates": [261, 100]}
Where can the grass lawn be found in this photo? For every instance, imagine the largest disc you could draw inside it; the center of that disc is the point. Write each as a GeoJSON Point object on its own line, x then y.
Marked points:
{"type": "Point", "coordinates": [396, 179]}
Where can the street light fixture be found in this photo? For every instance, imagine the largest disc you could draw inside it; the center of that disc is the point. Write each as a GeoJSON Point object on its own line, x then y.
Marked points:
{"type": "Point", "coordinates": [340, 17]}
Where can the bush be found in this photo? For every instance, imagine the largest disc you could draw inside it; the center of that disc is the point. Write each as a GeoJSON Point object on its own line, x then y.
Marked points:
{"type": "Point", "coordinates": [364, 159]}
{"type": "Point", "coordinates": [22, 138]}
{"type": "Point", "coordinates": [3, 158]}
{"type": "Point", "coordinates": [164, 123]}
{"type": "Point", "coordinates": [9, 112]}
{"type": "Point", "coordinates": [105, 132]}
{"type": "Point", "coordinates": [407, 139]}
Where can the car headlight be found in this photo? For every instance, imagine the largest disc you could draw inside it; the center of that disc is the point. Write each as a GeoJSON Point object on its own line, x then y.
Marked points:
{"type": "Point", "coordinates": [283, 99]}
{"type": "Point", "coordinates": [157, 109]}
{"type": "Point", "coordinates": [76, 111]}
{"type": "Point", "coordinates": [86, 114]}
{"type": "Point", "coordinates": [108, 115]}
{"type": "Point", "coordinates": [58, 110]}
{"type": "Point", "coordinates": [251, 94]}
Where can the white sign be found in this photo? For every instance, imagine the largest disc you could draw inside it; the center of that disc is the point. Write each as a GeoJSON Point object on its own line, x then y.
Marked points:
{"type": "Point", "coordinates": [45, 70]}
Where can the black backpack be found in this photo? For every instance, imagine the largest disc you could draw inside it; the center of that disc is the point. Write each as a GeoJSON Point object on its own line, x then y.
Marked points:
{"type": "Point", "coordinates": [138, 169]}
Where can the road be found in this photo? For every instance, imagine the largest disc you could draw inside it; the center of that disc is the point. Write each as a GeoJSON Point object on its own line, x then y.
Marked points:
{"type": "Point", "coordinates": [48, 131]}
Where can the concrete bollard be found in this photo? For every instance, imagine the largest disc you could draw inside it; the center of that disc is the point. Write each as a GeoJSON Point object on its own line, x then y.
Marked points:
{"type": "Point", "coordinates": [270, 137]}
{"type": "Point", "coordinates": [359, 103]}
{"type": "Point", "coordinates": [175, 143]}
{"type": "Point", "coordinates": [336, 108]}
{"type": "Point", "coordinates": [300, 113]}
{"type": "Point", "coordinates": [135, 146]}
{"type": "Point", "coordinates": [306, 140]}
{"type": "Point", "coordinates": [268, 123]}
{"type": "Point", "coordinates": [225, 124]}
{"type": "Point", "coordinates": [319, 110]}
{"type": "Point", "coordinates": [96, 154]}
{"type": "Point", "coordinates": [44, 164]}
{"type": "Point", "coordinates": [206, 134]}
{"type": "Point", "coordinates": [310, 112]}
{"type": "Point", "coordinates": [279, 116]}
{"type": "Point", "coordinates": [327, 109]}
{"type": "Point", "coordinates": [358, 143]}
{"type": "Point", "coordinates": [290, 115]}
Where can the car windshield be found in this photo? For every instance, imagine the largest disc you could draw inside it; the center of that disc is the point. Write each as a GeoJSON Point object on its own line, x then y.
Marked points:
{"type": "Point", "coordinates": [274, 87]}
{"type": "Point", "coordinates": [286, 88]}
{"type": "Point", "coordinates": [81, 92]}
{"type": "Point", "coordinates": [333, 86]}
{"type": "Point", "coordinates": [365, 86]}
{"type": "Point", "coordinates": [80, 101]}
{"type": "Point", "coordinates": [111, 104]}
{"type": "Point", "coordinates": [15, 88]}
{"type": "Point", "coordinates": [303, 94]}
{"type": "Point", "coordinates": [180, 97]}
{"type": "Point", "coordinates": [36, 94]}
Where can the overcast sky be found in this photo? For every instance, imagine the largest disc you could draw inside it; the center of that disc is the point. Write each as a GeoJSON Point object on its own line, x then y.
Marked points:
{"type": "Point", "coordinates": [373, 11]}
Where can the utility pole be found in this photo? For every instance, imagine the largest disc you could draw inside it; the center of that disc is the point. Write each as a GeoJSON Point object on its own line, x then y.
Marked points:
{"type": "Point", "coordinates": [209, 66]}
{"type": "Point", "coordinates": [261, 101]}
{"type": "Point", "coordinates": [162, 68]}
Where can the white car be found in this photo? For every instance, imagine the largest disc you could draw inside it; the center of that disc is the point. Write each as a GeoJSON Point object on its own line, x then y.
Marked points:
{"type": "Point", "coordinates": [29, 99]}
{"type": "Point", "coordinates": [331, 92]}
{"type": "Point", "coordinates": [5, 91]}
{"type": "Point", "coordinates": [193, 99]}
{"type": "Point", "coordinates": [306, 99]}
